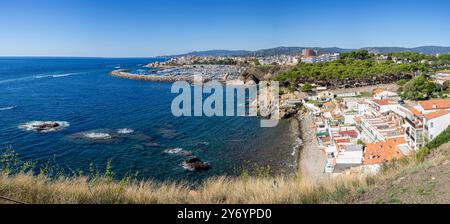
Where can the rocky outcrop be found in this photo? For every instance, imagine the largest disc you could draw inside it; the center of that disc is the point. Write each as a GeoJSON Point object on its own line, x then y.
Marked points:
{"type": "Point", "coordinates": [263, 73]}
{"type": "Point", "coordinates": [44, 126]}
{"type": "Point", "coordinates": [195, 164]}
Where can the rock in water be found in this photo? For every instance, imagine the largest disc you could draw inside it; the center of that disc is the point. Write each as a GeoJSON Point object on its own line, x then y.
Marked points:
{"type": "Point", "coordinates": [195, 164]}
{"type": "Point", "coordinates": [44, 126]}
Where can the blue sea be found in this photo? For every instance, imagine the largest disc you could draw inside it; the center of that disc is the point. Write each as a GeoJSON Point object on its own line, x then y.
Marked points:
{"type": "Point", "coordinates": [81, 92]}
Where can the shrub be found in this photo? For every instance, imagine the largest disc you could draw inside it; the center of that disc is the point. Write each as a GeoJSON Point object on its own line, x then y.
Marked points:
{"type": "Point", "coordinates": [441, 139]}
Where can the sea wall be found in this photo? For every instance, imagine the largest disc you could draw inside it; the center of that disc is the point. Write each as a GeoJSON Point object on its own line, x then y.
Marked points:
{"type": "Point", "coordinates": [154, 78]}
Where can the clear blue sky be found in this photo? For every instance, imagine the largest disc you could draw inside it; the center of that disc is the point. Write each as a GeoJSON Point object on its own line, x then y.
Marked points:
{"type": "Point", "coordinates": [139, 28]}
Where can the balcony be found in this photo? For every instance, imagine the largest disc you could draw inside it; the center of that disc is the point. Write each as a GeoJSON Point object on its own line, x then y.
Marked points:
{"type": "Point", "coordinates": [415, 124]}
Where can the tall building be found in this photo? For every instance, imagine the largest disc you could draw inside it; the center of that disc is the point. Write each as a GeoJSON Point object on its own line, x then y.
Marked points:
{"type": "Point", "coordinates": [310, 53]}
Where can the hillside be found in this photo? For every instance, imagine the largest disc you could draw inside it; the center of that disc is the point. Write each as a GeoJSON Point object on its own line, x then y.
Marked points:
{"type": "Point", "coordinates": [424, 183]}
{"type": "Point", "coordinates": [298, 50]}
{"type": "Point", "coordinates": [423, 50]}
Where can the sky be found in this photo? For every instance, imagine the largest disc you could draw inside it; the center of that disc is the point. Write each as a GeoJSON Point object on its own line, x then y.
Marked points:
{"type": "Point", "coordinates": [146, 28]}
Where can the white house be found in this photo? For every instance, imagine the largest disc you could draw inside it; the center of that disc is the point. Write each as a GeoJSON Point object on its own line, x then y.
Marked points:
{"type": "Point", "coordinates": [436, 123]}
{"type": "Point", "coordinates": [385, 95]}
{"type": "Point", "coordinates": [349, 156]}
{"type": "Point", "coordinates": [383, 105]}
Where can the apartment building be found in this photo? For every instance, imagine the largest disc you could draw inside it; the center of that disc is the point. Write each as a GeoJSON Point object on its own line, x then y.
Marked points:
{"type": "Point", "coordinates": [426, 121]}
{"type": "Point", "coordinates": [322, 58]}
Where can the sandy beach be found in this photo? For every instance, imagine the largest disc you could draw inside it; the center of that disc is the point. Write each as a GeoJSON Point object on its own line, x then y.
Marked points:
{"type": "Point", "coordinates": [312, 160]}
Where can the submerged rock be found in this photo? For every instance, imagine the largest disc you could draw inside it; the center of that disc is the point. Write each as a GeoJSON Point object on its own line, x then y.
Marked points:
{"type": "Point", "coordinates": [44, 126]}
{"type": "Point", "coordinates": [195, 164]}
{"type": "Point", "coordinates": [178, 151]}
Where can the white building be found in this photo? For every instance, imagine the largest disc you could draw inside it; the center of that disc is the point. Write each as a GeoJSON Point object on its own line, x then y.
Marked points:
{"type": "Point", "coordinates": [386, 95]}
{"type": "Point", "coordinates": [426, 121]}
{"type": "Point", "coordinates": [436, 123]}
{"type": "Point", "coordinates": [322, 58]}
{"type": "Point", "coordinates": [348, 156]}
{"type": "Point", "coordinates": [430, 106]}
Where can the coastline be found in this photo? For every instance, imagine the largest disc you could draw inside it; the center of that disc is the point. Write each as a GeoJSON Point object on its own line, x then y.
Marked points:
{"type": "Point", "coordinates": [311, 160]}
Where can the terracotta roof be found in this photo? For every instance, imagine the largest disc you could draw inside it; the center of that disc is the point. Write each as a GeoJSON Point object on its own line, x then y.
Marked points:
{"type": "Point", "coordinates": [351, 133]}
{"type": "Point", "coordinates": [380, 152]}
{"type": "Point", "coordinates": [377, 91]}
{"type": "Point", "coordinates": [436, 114]}
{"type": "Point", "coordinates": [435, 104]}
{"type": "Point", "coordinates": [415, 111]}
{"type": "Point", "coordinates": [384, 102]}
{"type": "Point", "coordinates": [342, 140]}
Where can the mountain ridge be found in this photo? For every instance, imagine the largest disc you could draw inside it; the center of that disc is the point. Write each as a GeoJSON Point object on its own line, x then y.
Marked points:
{"type": "Point", "coordinates": [297, 50]}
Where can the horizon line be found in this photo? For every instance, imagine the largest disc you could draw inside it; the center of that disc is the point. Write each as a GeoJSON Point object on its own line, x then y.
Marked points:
{"type": "Point", "coordinates": [192, 51]}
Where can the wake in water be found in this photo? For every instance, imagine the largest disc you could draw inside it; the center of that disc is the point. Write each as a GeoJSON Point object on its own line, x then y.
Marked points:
{"type": "Point", "coordinates": [7, 108]}
{"type": "Point", "coordinates": [30, 78]}
{"type": "Point", "coordinates": [56, 76]}
{"type": "Point", "coordinates": [44, 126]}
{"type": "Point", "coordinates": [125, 131]}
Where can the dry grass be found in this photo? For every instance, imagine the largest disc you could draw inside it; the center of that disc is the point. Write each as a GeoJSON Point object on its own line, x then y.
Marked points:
{"type": "Point", "coordinates": [82, 190]}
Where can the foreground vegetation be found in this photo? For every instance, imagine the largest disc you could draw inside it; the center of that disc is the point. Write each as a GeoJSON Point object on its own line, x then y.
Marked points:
{"type": "Point", "coordinates": [19, 182]}
{"type": "Point", "coordinates": [30, 183]}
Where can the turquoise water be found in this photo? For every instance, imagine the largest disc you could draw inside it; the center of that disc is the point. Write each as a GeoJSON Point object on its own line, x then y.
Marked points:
{"type": "Point", "coordinates": [81, 92]}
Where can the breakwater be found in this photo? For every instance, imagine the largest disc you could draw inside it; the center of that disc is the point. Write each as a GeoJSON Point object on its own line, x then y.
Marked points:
{"type": "Point", "coordinates": [122, 73]}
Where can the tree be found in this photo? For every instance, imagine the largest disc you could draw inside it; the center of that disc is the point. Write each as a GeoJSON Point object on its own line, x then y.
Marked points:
{"type": "Point", "coordinates": [402, 82]}
{"type": "Point", "coordinates": [307, 87]}
{"type": "Point", "coordinates": [419, 88]}
{"type": "Point", "coordinates": [359, 55]}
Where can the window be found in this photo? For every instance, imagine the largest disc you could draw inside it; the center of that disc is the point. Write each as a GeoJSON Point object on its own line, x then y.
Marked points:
{"type": "Point", "coordinates": [431, 124]}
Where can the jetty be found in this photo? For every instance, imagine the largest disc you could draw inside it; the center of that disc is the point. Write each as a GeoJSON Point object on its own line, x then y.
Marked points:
{"type": "Point", "coordinates": [123, 73]}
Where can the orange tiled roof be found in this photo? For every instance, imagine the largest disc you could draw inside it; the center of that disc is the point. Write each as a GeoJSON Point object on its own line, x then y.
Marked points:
{"type": "Point", "coordinates": [380, 152]}
{"type": "Point", "coordinates": [415, 111]}
{"type": "Point", "coordinates": [384, 102]}
{"type": "Point", "coordinates": [436, 114]}
{"type": "Point", "coordinates": [435, 104]}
